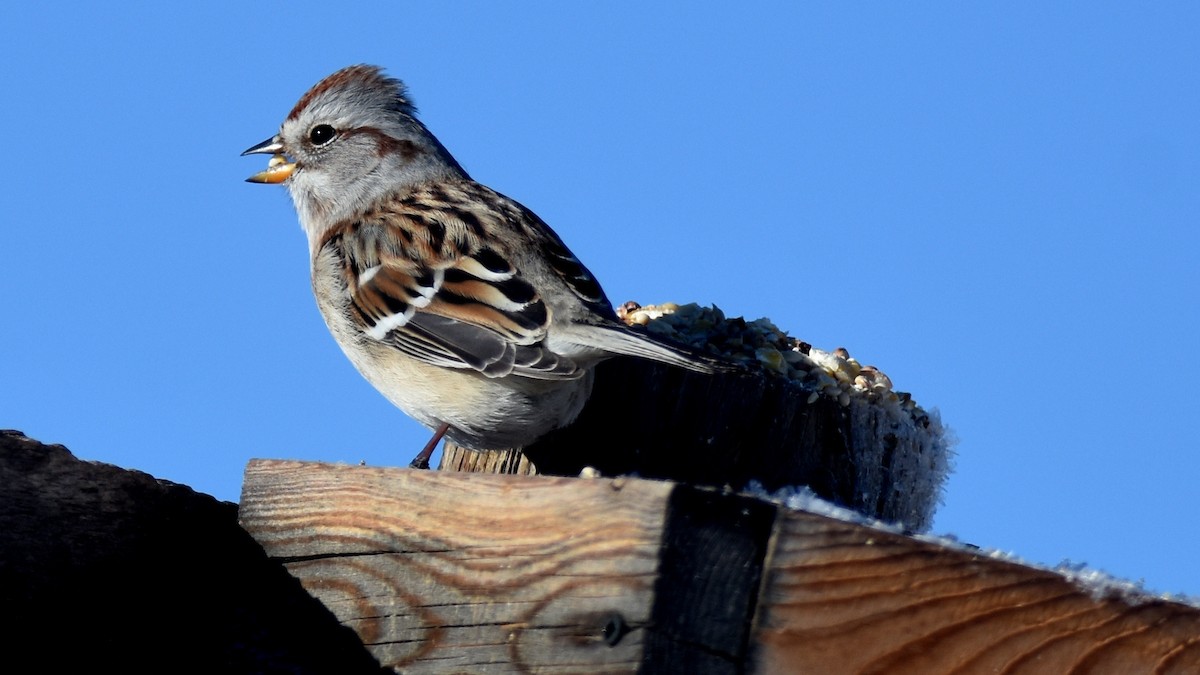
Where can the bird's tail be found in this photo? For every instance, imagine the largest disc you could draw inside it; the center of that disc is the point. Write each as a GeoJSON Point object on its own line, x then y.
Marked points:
{"type": "Point", "coordinates": [620, 339]}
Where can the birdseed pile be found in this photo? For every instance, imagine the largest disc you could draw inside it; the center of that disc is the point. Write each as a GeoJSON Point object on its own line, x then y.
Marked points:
{"type": "Point", "coordinates": [761, 345]}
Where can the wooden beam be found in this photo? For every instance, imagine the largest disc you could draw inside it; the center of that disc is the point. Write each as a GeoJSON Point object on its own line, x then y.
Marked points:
{"type": "Point", "coordinates": [843, 598]}
{"type": "Point", "coordinates": [441, 572]}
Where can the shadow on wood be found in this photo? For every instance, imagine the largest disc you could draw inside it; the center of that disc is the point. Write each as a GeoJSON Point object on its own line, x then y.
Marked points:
{"type": "Point", "coordinates": [103, 569]}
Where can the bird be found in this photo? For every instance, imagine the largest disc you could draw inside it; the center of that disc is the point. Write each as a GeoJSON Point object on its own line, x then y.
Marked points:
{"type": "Point", "coordinates": [458, 304]}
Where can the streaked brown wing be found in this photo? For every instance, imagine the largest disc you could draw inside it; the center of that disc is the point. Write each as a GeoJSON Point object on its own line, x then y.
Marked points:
{"type": "Point", "coordinates": [472, 311]}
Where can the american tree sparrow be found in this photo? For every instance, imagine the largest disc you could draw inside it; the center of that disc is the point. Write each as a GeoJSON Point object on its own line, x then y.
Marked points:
{"type": "Point", "coordinates": [457, 303]}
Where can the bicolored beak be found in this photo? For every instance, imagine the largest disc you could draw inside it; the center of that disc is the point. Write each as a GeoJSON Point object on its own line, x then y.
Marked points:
{"type": "Point", "coordinates": [278, 169]}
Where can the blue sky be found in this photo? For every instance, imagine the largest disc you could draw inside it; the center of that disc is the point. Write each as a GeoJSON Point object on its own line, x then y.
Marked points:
{"type": "Point", "coordinates": [995, 203]}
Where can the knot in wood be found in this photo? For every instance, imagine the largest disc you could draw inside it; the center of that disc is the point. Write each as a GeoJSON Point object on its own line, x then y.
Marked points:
{"type": "Point", "coordinates": [614, 629]}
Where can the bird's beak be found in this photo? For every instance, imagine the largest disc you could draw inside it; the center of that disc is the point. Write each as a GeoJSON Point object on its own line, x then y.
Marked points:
{"type": "Point", "coordinates": [278, 169]}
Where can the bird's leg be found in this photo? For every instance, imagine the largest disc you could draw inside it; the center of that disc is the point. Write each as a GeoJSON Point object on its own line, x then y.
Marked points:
{"type": "Point", "coordinates": [421, 461]}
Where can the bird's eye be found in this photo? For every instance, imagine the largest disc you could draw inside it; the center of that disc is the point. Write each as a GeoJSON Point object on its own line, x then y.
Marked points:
{"type": "Point", "coordinates": [321, 134]}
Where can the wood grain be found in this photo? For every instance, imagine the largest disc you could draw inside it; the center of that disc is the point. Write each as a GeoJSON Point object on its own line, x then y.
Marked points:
{"type": "Point", "coordinates": [508, 462]}
{"type": "Point", "coordinates": [441, 572]}
{"type": "Point", "coordinates": [841, 598]}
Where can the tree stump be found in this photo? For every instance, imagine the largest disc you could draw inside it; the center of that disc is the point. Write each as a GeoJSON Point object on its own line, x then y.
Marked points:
{"type": "Point", "coordinates": [729, 429]}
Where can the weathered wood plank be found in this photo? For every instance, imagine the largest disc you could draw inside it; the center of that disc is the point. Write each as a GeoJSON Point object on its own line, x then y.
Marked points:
{"type": "Point", "coordinates": [841, 598]}
{"type": "Point", "coordinates": [441, 572]}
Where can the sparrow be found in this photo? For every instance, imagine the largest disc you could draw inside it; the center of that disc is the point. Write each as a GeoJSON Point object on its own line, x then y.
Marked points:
{"type": "Point", "coordinates": [460, 305]}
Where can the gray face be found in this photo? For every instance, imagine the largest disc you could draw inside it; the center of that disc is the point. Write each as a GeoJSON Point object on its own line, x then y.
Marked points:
{"type": "Point", "coordinates": [354, 139]}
